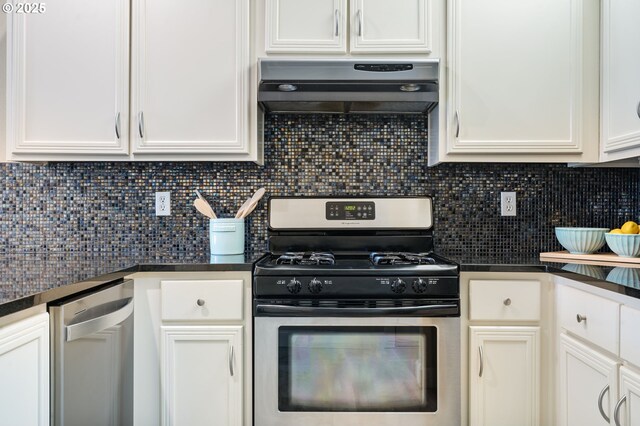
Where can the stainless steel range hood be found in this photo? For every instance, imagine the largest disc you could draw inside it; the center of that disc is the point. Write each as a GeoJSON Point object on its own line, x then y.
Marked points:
{"type": "Point", "coordinates": [348, 86]}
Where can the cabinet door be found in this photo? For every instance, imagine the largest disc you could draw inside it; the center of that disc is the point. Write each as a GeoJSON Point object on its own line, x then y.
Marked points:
{"type": "Point", "coordinates": [201, 375]}
{"type": "Point", "coordinates": [628, 408]}
{"type": "Point", "coordinates": [24, 372]}
{"type": "Point", "coordinates": [190, 91]}
{"type": "Point", "coordinates": [504, 377]}
{"type": "Point", "coordinates": [68, 79]}
{"type": "Point", "coordinates": [620, 71]}
{"type": "Point", "coordinates": [400, 26]}
{"type": "Point", "coordinates": [523, 78]}
{"type": "Point", "coordinates": [588, 385]}
{"type": "Point", "coordinates": [306, 26]}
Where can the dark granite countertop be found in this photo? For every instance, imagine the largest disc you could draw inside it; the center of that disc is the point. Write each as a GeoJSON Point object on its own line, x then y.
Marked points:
{"type": "Point", "coordinates": [28, 280]}
{"type": "Point", "coordinates": [619, 279]}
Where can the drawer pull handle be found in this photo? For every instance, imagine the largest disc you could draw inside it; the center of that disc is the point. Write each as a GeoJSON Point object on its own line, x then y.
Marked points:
{"type": "Point", "coordinates": [507, 302]}
{"type": "Point", "coordinates": [581, 318]}
{"type": "Point", "coordinates": [481, 361]}
{"type": "Point", "coordinates": [231, 372]}
{"type": "Point", "coordinates": [200, 302]}
{"type": "Point", "coordinates": [616, 410]}
{"type": "Point", "coordinates": [603, 392]}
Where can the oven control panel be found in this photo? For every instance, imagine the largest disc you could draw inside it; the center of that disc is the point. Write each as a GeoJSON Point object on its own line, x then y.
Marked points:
{"type": "Point", "coordinates": [352, 210]}
{"type": "Point", "coordinates": [351, 286]}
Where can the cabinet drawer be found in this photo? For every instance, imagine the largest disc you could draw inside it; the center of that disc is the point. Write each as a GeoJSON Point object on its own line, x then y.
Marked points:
{"type": "Point", "coordinates": [504, 300]}
{"type": "Point", "coordinates": [629, 342]}
{"type": "Point", "coordinates": [590, 317]}
{"type": "Point", "coordinates": [201, 300]}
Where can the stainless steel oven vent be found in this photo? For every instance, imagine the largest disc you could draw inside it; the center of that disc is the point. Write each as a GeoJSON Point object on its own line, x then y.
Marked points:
{"type": "Point", "coordinates": [341, 86]}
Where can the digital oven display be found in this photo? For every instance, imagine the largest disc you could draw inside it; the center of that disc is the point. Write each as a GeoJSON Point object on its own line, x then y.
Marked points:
{"type": "Point", "coordinates": [356, 210]}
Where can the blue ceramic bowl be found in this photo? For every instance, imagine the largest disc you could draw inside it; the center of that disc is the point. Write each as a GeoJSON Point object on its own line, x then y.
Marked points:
{"type": "Point", "coordinates": [625, 245]}
{"type": "Point", "coordinates": [581, 240]}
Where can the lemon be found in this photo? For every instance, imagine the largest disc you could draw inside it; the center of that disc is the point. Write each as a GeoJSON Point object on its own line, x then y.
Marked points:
{"type": "Point", "coordinates": [616, 231]}
{"type": "Point", "coordinates": [629, 228]}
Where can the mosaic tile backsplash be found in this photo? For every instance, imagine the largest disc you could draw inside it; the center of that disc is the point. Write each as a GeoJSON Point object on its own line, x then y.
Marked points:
{"type": "Point", "coordinates": [109, 207]}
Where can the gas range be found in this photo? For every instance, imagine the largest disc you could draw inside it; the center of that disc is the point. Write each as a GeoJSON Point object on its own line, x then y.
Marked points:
{"type": "Point", "coordinates": [377, 274]}
{"type": "Point", "coordinates": [356, 319]}
{"type": "Point", "coordinates": [323, 249]}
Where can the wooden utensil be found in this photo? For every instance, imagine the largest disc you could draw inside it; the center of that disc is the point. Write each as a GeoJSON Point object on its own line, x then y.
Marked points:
{"type": "Point", "coordinates": [242, 208]}
{"type": "Point", "coordinates": [249, 205]}
{"type": "Point", "coordinates": [203, 207]}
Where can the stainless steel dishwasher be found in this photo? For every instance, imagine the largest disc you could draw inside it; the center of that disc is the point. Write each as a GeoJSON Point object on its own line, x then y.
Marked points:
{"type": "Point", "coordinates": [92, 359]}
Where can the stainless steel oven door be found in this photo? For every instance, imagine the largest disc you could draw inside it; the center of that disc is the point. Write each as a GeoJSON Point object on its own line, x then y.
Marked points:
{"type": "Point", "coordinates": [354, 371]}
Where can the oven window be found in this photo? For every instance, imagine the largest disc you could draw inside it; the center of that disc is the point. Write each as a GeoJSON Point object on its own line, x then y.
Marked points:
{"type": "Point", "coordinates": [357, 369]}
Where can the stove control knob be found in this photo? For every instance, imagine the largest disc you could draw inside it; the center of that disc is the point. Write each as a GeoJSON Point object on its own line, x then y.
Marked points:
{"type": "Point", "coordinates": [315, 286]}
{"type": "Point", "coordinates": [398, 286]}
{"type": "Point", "coordinates": [294, 286]}
{"type": "Point", "coordinates": [419, 285]}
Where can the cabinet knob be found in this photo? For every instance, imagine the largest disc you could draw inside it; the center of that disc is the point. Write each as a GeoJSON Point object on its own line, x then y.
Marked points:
{"type": "Point", "coordinates": [507, 302]}
{"type": "Point", "coordinates": [581, 318]}
{"type": "Point", "coordinates": [200, 302]}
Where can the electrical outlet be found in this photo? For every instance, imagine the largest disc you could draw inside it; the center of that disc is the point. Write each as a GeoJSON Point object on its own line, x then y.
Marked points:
{"type": "Point", "coordinates": [508, 203]}
{"type": "Point", "coordinates": [163, 204]}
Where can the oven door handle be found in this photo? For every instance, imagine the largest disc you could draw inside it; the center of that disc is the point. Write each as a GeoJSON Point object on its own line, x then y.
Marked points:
{"type": "Point", "coordinates": [426, 310]}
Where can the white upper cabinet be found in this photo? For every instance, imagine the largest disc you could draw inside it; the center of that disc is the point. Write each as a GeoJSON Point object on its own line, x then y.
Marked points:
{"type": "Point", "coordinates": [523, 80]}
{"type": "Point", "coordinates": [190, 77]}
{"type": "Point", "coordinates": [190, 69]}
{"type": "Point", "coordinates": [68, 80]}
{"type": "Point", "coordinates": [299, 26]}
{"type": "Point", "coordinates": [370, 26]}
{"type": "Point", "coordinates": [620, 113]}
{"type": "Point", "coordinates": [381, 26]}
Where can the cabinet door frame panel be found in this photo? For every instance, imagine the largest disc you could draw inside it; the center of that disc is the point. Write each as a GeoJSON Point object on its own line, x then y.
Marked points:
{"type": "Point", "coordinates": [16, 335]}
{"type": "Point", "coordinates": [455, 116]}
{"type": "Point", "coordinates": [479, 334]}
{"type": "Point", "coordinates": [612, 144]}
{"type": "Point", "coordinates": [607, 366]}
{"type": "Point", "coordinates": [233, 335]}
{"type": "Point", "coordinates": [143, 146]}
{"type": "Point", "coordinates": [360, 43]}
{"type": "Point", "coordinates": [275, 44]}
{"type": "Point", "coordinates": [17, 29]}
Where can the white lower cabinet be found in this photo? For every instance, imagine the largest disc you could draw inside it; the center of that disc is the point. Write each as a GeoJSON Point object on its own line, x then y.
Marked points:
{"type": "Point", "coordinates": [193, 349]}
{"type": "Point", "coordinates": [24, 372]}
{"type": "Point", "coordinates": [595, 389]}
{"type": "Point", "coordinates": [627, 410]}
{"type": "Point", "coordinates": [588, 384]}
{"type": "Point", "coordinates": [201, 375]}
{"type": "Point", "coordinates": [504, 376]}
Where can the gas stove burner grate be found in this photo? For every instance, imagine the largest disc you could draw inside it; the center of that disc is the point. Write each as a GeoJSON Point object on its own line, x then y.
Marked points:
{"type": "Point", "coordinates": [301, 258]}
{"type": "Point", "coordinates": [399, 258]}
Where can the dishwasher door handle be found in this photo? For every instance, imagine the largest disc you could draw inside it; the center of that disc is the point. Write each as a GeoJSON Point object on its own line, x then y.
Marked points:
{"type": "Point", "coordinates": [102, 322]}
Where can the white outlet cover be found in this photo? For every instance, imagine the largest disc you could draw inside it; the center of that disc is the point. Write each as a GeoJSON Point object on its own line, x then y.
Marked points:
{"type": "Point", "coordinates": [508, 204]}
{"type": "Point", "coordinates": [163, 204]}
